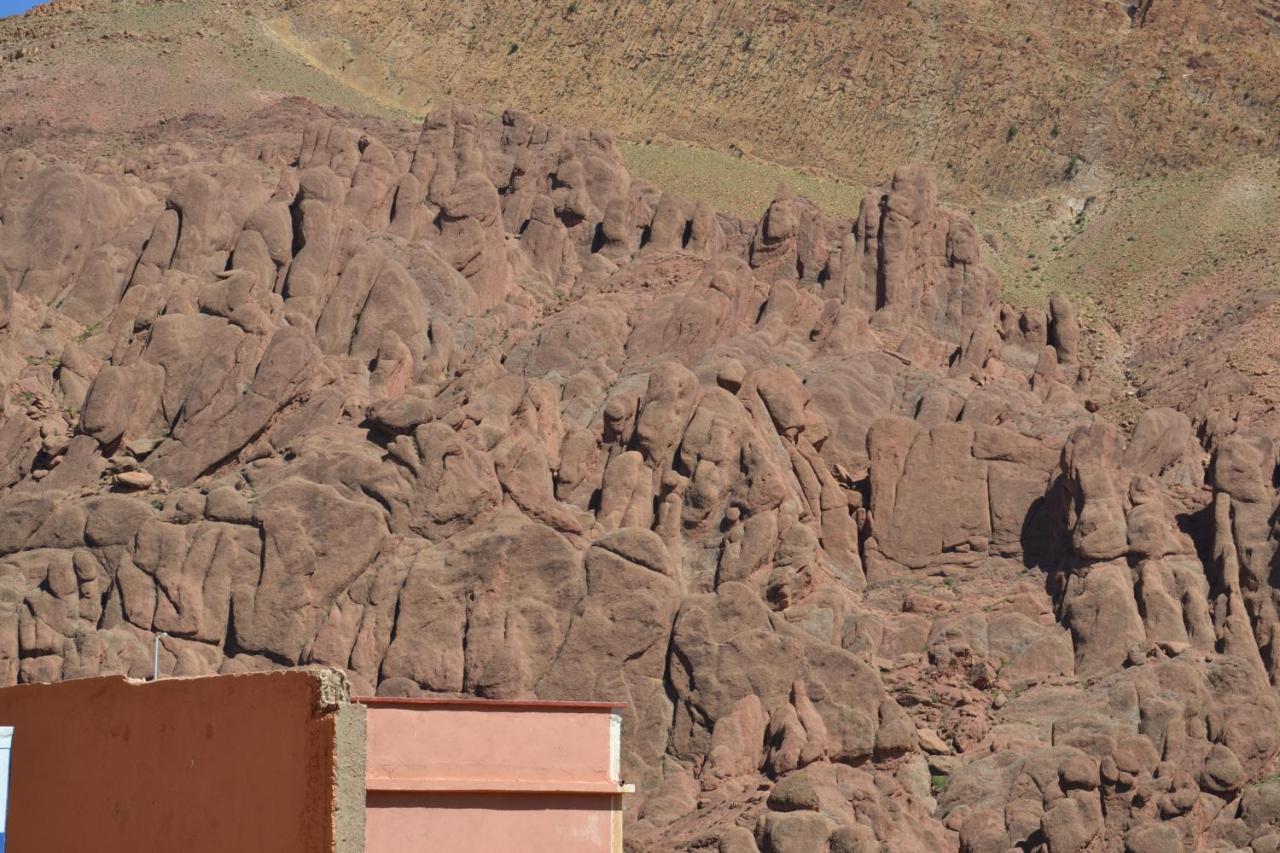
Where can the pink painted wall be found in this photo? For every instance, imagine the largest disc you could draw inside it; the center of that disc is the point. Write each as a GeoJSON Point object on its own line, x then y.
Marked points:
{"type": "Point", "coordinates": [456, 777]}
{"type": "Point", "coordinates": [452, 823]}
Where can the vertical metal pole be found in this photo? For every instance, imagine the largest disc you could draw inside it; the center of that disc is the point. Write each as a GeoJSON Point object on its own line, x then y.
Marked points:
{"type": "Point", "coordinates": [156, 668]}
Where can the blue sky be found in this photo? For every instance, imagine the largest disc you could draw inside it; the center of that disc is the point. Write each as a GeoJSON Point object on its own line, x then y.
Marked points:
{"type": "Point", "coordinates": [13, 7]}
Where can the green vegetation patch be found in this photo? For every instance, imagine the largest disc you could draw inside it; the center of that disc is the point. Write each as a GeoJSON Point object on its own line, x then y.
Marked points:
{"type": "Point", "coordinates": [1137, 245]}
{"type": "Point", "coordinates": [734, 184]}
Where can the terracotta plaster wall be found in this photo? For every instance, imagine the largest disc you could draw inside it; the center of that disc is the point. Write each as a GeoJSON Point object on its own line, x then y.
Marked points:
{"type": "Point", "coordinates": [409, 822]}
{"type": "Point", "coordinates": [232, 763]}
{"type": "Point", "coordinates": [495, 743]}
{"type": "Point", "coordinates": [459, 776]}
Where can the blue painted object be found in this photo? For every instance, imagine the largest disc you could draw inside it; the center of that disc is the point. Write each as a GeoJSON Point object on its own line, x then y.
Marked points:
{"type": "Point", "coordinates": [6, 746]}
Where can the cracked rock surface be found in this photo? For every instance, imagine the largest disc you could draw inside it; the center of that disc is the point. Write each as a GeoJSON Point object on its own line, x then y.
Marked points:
{"type": "Point", "coordinates": [470, 410]}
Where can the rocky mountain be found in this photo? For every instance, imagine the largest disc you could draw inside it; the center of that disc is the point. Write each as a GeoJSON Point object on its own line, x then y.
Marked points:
{"type": "Point", "coordinates": [999, 97]}
{"type": "Point", "coordinates": [465, 406]}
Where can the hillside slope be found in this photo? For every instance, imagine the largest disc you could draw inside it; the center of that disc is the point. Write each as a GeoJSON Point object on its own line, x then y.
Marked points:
{"type": "Point", "coordinates": [999, 97]}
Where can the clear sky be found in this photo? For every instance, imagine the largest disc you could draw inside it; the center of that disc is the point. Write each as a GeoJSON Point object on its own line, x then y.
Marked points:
{"type": "Point", "coordinates": [13, 7]}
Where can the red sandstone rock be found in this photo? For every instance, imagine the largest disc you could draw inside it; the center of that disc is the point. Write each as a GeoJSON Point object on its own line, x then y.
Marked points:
{"type": "Point", "coordinates": [479, 413]}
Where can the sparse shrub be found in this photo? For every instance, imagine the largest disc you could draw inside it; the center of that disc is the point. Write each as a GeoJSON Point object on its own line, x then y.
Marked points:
{"type": "Point", "coordinates": [1010, 133]}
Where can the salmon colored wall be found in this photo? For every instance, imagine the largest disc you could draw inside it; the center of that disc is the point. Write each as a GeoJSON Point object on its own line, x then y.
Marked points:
{"type": "Point", "coordinates": [446, 742]}
{"type": "Point", "coordinates": [207, 765]}
{"type": "Point", "coordinates": [479, 823]}
{"type": "Point", "coordinates": [470, 777]}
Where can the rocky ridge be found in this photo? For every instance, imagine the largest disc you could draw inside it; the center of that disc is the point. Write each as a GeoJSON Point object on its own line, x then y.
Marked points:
{"type": "Point", "coordinates": [473, 411]}
{"type": "Point", "coordinates": [1000, 98]}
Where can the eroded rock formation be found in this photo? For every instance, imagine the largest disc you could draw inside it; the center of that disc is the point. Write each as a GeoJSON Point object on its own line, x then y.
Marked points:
{"type": "Point", "coordinates": [479, 413]}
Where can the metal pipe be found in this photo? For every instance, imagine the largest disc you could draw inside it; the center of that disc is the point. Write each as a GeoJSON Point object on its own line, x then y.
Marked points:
{"type": "Point", "coordinates": [156, 670]}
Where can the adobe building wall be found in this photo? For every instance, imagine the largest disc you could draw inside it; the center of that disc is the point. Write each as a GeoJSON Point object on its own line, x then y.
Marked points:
{"type": "Point", "coordinates": [462, 776]}
{"type": "Point", "coordinates": [264, 761]}
{"type": "Point", "coordinates": [484, 822]}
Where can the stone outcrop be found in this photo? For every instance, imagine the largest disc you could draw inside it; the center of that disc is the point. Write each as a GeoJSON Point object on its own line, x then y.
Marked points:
{"type": "Point", "coordinates": [476, 412]}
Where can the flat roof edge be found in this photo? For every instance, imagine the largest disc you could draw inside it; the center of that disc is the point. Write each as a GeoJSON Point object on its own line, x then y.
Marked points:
{"type": "Point", "coordinates": [380, 785]}
{"type": "Point", "coordinates": [477, 704]}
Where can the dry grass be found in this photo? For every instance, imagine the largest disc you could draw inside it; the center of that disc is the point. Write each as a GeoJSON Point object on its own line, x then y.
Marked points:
{"type": "Point", "coordinates": [735, 184]}
{"type": "Point", "coordinates": [1139, 244]}
{"type": "Point", "coordinates": [212, 56]}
